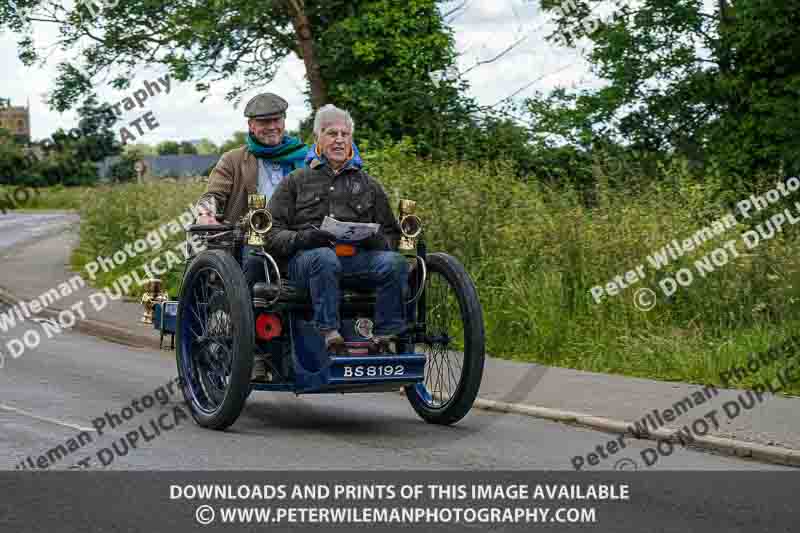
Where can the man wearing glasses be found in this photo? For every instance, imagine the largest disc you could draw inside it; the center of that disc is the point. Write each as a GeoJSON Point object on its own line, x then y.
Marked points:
{"type": "Point", "coordinates": [334, 184]}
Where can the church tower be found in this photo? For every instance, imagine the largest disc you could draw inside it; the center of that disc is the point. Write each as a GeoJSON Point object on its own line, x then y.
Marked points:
{"type": "Point", "coordinates": [16, 119]}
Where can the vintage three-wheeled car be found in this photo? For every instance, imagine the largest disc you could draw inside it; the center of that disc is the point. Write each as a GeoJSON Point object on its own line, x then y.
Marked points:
{"type": "Point", "coordinates": [220, 324]}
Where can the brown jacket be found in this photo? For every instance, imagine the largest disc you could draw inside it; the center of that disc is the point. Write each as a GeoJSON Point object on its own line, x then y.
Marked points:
{"type": "Point", "coordinates": [307, 195]}
{"type": "Point", "coordinates": [233, 178]}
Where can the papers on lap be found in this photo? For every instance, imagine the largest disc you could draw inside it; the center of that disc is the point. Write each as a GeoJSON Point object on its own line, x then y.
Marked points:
{"type": "Point", "coordinates": [349, 231]}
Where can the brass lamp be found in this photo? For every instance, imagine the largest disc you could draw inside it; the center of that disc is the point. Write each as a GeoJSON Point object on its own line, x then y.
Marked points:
{"type": "Point", "coordinates": [152, 295]}
{"type": "Point", "coordinates": [410, 228]}
{"type": "Point", "coordinates": [258, 220]}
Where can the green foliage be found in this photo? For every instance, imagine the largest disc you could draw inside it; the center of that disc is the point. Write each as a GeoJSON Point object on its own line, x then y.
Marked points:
{"type": "Point", "coordinates": [124, 169]}
{"type": "Point", "coordinates": [96, 140]}
{"type": "Point", "coordinates": [125, 213]}
{"type": "Point", "coordinates": [168, 148]}
{"type": "Point", "coordinates": [378, 63]}
{"type": "Point", "coordinates": [64, 167]}
{"type": "Point", "coordinates": [187, 148]}
{"type": "Point", "coordinates": [236, 141]}
{"type": "Point", "coordinates": [206, 147]}
{"type": "Point", "coordinates": [12, 159]}
{"type": "Point", "coordinates": [759, 133]}
{"type": "Point", "coordinates": [140, 150]}
{"type": "Point", "coordinates": [716, 84]}
{"type": "Point", "coordinates": [67, 158]}
{"type": "Point", "coordinates": [53, 198]}
{"type": "Point", "coordinates": [22, 166]}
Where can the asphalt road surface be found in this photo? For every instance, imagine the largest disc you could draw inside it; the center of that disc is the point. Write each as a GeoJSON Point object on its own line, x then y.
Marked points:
{"type": "Point", "coordinates": [54, 392]}
{"type": "Point", "coordinates": [17, 228]}
{"type": "Point", "coordinates": [57, 391]}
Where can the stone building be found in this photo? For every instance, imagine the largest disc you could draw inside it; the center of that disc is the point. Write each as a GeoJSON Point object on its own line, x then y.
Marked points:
{"type": "Point", "coordinates": [16, 119]}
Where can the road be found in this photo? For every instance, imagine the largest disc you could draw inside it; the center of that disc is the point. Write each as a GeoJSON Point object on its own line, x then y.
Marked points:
{"type": "Point", "coordinates": [17, 228]}
{"type": "Point", "coordinates": [51, 393]}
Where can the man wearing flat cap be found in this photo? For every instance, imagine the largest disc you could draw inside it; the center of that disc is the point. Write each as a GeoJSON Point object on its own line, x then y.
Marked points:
{"type": "Point", "coordinates": [256, 168]}
{"type": "Point", "coordinates": [268, 156]}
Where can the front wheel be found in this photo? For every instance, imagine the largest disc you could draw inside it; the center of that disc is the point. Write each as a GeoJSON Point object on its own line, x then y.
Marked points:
{"type": "Point", "coordinates": [215, 339]}
{"type": "Point", "coordinates": [453, 343]}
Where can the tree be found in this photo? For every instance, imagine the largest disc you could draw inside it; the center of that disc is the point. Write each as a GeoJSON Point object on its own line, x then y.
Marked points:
{"type": "Point", "coordinates": [187, 148]}
{"type": "Point", "coordinates": [372, 56]}
{"type": "Point", "coordinates": [198, 40]}
{"type": "Point", "coordinates": [96, 139]}
{"type": "Point", "coordinates": [140, 150]}
{"type": "Point", "coordinates": [15, 169]}
{"type": "Point", "coordinates": [716, 86]}
{"type": "Point", "coordinates": [66, 158]}
{"type": "Point", "coordinates": [379, 64]}
{"type": "Point", "coordinates": [236, 141]}
{"type": "Point", "coordinates": [124, 169]}
{"type": "Point", "coordinates": [206, 147]}
{"type": "Point", "coordinates": [168, 148]}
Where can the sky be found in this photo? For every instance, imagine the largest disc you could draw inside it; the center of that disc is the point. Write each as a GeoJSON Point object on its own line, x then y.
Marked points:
{"type": "Point", "coordinates": [482, 30]}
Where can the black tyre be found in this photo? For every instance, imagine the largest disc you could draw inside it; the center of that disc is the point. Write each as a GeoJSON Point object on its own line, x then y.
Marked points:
{"type": "Point", "coordinates": [454, 343]}
{"type": "Point", "coordinates": [215, 339]}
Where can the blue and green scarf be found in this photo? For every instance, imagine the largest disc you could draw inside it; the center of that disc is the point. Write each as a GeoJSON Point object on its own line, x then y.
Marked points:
{"type": "Point", "coordinates": [291, 153]}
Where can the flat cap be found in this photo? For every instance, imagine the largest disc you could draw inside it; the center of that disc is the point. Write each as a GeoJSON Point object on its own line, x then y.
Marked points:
{"type": "Point", "coordinates": [266, 105]}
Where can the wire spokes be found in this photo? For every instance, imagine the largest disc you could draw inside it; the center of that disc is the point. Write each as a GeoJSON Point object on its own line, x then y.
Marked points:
{"type": "Point", "coordinates": [210, 356]}
{"type": "Point", "coordinates": [444, 341]}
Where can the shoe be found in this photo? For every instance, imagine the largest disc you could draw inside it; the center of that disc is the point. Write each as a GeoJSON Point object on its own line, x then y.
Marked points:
{"type": "Point", "coordinates": [380, 346]}
{"type": "Point", "coordinates": [259, 370]}
{"type": "Point", "coordinates": [335, 345]}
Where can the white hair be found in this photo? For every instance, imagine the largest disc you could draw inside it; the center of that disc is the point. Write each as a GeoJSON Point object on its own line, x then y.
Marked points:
{"type": "Point", "coordinates": [328, 114]}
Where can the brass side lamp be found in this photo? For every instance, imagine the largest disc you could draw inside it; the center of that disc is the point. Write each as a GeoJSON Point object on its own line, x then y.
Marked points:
{"type": "Point", "coordinates": [410, 228]}
{"type": "Point", "coordinates": [258, 219]}
{"type": "Point", "coordinates": [152, 296]}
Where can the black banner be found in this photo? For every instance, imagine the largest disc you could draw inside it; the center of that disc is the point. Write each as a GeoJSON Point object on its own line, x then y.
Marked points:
{"type": "Point", "coordinates": [616, 502]}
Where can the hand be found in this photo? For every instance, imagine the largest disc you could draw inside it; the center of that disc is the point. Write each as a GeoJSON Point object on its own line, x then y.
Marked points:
{"type": "Point", "coordinates": [308, 239]}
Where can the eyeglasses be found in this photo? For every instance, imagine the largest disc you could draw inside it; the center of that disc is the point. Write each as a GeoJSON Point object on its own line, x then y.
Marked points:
{"type": "Point", "coordinates": [335, 134]}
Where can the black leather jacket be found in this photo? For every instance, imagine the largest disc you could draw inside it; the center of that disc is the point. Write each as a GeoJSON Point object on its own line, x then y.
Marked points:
{"type": "Point", "coordinates": [306, 196]}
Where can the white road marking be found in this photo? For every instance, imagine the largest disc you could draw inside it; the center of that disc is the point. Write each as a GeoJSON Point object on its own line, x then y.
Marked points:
{"type": "Point", "coordinates": [44, 418]}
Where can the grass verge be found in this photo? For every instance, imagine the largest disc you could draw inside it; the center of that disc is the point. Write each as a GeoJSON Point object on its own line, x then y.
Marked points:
{"type": "Point", "coordinates": [535, 254]}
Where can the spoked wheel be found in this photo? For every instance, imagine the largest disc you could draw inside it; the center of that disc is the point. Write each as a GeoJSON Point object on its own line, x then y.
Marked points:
{"type": "Point", "coordinates": [453, 343]}
{"type": "Point", "coordinates": [215, 339]}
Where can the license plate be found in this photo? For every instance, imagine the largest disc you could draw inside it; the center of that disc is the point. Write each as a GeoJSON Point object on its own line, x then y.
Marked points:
{"type": "Point", "coordinates": [373, 371]}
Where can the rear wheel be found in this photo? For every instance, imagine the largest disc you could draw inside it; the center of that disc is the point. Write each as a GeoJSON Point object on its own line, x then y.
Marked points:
{"type": "Point", "coordinates": [453, 343]}
{"type": "Point", "coordinates": [215, 339]}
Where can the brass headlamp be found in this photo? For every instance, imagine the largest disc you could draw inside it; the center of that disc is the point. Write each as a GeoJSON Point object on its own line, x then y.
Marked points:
{"type": "Point", "coordinates": [258, 219]}
{"type": "Point", "coordinates": [410, 228]}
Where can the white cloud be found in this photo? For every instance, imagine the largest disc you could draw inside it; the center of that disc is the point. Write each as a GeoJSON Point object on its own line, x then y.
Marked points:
{"type": "Point", "coordinates": [482, 31]}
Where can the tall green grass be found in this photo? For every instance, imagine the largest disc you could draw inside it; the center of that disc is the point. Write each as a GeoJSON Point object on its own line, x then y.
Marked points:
{"type": "Point", "coordinates": [535, 254]}
{"type": "Point", "coordinates": [119, 215]}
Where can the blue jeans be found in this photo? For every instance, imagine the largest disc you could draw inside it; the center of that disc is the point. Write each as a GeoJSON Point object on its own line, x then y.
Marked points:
{"type": "Point", "coordinates": [320, 271]}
